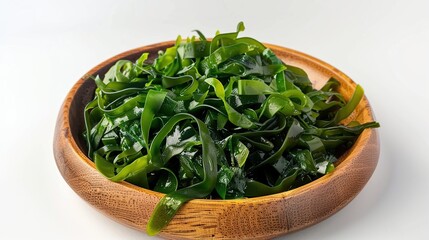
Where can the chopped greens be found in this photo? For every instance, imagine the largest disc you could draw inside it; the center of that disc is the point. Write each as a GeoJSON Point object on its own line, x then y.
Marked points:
{"type": "Point", "coordinates": [224, 118]}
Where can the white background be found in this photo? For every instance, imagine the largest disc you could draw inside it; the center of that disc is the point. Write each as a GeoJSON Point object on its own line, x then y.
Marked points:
{"type": "Point", "coordinates": [46, 46]}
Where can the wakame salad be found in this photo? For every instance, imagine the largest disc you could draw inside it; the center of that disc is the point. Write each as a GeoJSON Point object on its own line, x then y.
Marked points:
{"type": "Point", "coordinates": [219, 119]}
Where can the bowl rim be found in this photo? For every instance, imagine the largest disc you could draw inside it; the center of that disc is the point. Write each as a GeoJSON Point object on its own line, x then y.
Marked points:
{"type": "Point", "coordinates": [344, 161]}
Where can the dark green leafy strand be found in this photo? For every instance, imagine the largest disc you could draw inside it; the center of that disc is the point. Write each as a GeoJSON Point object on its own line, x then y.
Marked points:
{"type": "Point", "coordinates": [171, 202]}
{"type": "Point", "coordinates": [224, 118]}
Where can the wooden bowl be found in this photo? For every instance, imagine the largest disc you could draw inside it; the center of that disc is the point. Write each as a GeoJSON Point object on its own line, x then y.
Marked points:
{"type": "Point", "coordinates": [253, 218]}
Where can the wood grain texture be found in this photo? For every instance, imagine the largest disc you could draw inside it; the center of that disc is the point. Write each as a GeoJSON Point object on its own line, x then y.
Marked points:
{"type": "Point", "coordinates": [255, 218]}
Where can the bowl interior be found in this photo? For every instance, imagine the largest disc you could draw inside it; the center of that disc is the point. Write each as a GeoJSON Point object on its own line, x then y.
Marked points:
{"type": "Point", "coordinates": [318, 71]}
